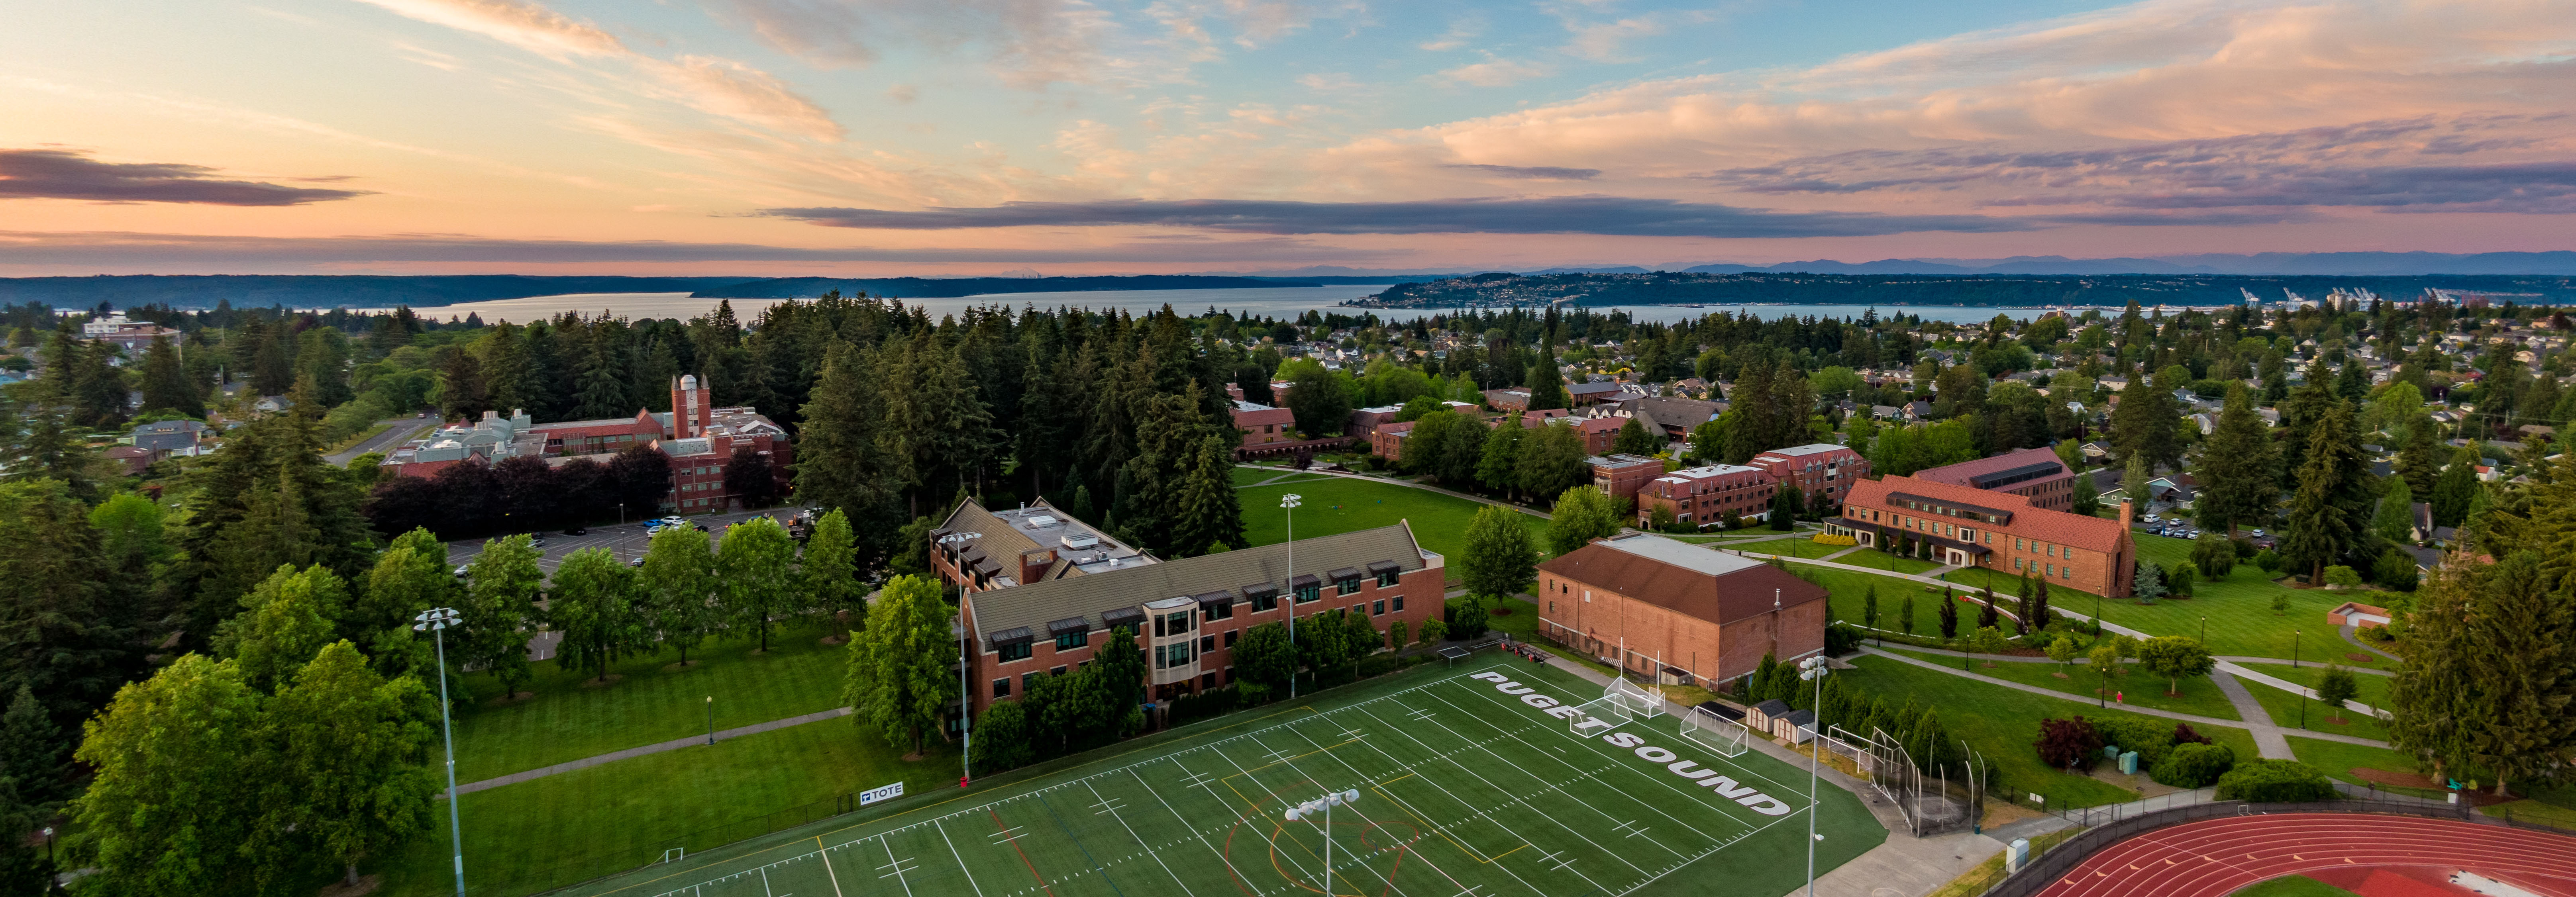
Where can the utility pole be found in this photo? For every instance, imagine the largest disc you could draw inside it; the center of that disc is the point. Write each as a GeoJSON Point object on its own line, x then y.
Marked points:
{"type": "Point", "coordinates": [1288, 504]}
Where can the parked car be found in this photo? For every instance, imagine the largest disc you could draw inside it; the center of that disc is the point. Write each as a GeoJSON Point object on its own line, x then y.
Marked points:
{"type": "Point", "coordinates": [536, 541]}
{"type": "Point", "coordinates": [637, 562]}
{"type": "Point", "coordinates": [462, 569]}
{"type": "Point", "coordinates": [577, 530]}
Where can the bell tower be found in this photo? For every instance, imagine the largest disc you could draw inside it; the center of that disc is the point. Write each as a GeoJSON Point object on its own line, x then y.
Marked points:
{"type": "Point", "coordinates": [688, 408]}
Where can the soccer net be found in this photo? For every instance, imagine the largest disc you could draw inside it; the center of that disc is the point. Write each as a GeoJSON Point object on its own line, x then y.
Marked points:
{"type": "Point", "coordinates": [1714, 732]}
{"type": "Point", "coordinates": [1640, 701]}
{"type": "Point", "coordinates": [1592, 717]}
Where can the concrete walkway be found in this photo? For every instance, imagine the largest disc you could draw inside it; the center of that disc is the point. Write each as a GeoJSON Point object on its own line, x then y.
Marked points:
{"type": "Point", "coordinates": [397, 431]}
{"type": "Point", "coordinates": [2258, 721]}
{"type": "Point", "coordinates": [1839, 553]}
{"type": "Point", "coordinates": [672, 745]}
{"type": "Point", "coordinates": [2269, 743]}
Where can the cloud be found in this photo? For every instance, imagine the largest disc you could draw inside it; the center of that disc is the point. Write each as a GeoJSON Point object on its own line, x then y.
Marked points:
{"type": "Point", "coordinates": [1461, 30]}
{"type": "Point", "coordinates": [218, 252]}
{"type": "Point", "coordinates": [66, 174]}
{"type": "Point", "coordinates": [1027, 43]}
{"type": "Point", "coordinates": [1533, 172]}
{"type": "Point", "coordinates": [1604, 41]}
{"type": "Point", "coordinates": [1610, 215]}
{"type": "Point", "coordinates": [1495, 71]}
{"type": "Point", "coordinates": [718, 87]}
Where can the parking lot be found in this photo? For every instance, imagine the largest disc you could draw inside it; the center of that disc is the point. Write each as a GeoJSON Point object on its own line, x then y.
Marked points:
{"type": "Point", "coordinates": [627, 541]}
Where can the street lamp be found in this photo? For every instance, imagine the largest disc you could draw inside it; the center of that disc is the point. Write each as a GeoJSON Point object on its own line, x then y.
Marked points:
{"type": "Point", "coordinates": [2294, 649]}
{"type": "Point", "coordinates": [711, 721]}
{"type": "Point", "coordinates": [49, 859]}
{"type": "Point", "coordinates": [1288, 505]}
{"type": "Point", "coordinates": [1324, 805]}
{"type": "Point", "coordinates": [435, 621]}
{"type": "Point", "coordinates": [2204, 632]}
{"type": "Point", "coordinates": [1814, 669]}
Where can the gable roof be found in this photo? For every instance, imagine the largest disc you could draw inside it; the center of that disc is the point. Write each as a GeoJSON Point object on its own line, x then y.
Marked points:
{"type": "Point", "coordinates": [2028, 520]}
{"type": "Point", "coordinates": [1209, 577]}
{"type": "Point", "coordinates": [1684, 578]}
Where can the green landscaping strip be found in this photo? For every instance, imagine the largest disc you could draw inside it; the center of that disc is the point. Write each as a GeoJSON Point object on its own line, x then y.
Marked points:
{"type": "Point", "coordinates": [1997, 721]}
{"type": "Point", "coordinates": [2285, 707]}
{"type": "Point", "coordinates": [2133, 686]}
{"type": "Point", "coordinates": [2338, 759]}
{"type": "Point", "coordinates": [2292, 886]}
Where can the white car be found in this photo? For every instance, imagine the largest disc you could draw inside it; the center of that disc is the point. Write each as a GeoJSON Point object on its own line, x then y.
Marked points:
{"type": "Point", "coordinates": [2151, 518]}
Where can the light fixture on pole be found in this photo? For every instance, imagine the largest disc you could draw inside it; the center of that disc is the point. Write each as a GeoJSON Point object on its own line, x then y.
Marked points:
{"type": "Point", "coordinates": [711, 721]}
{"type": "Point", "coordinates": [435, 622]}
{"type": "Point", "coordinates": [1814, 669]}
{"type": "Point", "coordinates": [1324, 805]}
{"type": "Point", "coordinates": [1288, 503]}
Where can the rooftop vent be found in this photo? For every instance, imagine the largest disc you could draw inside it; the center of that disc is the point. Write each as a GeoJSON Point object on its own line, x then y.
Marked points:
{"type": "Point", "coordinates": [1081, 541]}
{"type": "Point", "coordinates": [1042, 521]}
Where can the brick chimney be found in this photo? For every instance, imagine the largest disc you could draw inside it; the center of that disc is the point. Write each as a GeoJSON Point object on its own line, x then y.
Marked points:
{"type": "Point", "coordinates": [2126, 509]}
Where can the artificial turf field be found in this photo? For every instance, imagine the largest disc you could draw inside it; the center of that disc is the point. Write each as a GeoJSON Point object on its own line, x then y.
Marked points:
{"type": "Point", "coordinates": [1466, 789]}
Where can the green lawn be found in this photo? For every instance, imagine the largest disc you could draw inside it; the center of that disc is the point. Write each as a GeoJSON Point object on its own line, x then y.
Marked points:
{"type": "Point", "coordinates": [2291, 886]}
{"type": "Point", "coordinates": [1880, 560]}
{"type": "Point", "coordinates": [2239, 608]}
{"type": "Point", "coordinates": [2200, 696]}
{"type": "Point", "coordinates": [1245, 476]}
{"type": "Point", "coordinates": [1338, 505]}
{"type": "Point", "coordinates": [2374, 689]}
{"type": "Point", "coordinates": [2338, 759]}
{"type": "Point", "coordinates": [1997, 721]}
{"type": "Point", "coordinates": [558, 830]}
{"type": "Point", "coordinates": [1795, 546]}
{"type": "Point", "coordinates": [568, 721]}
{"type": "Point", "coordinates": [2284, 708]}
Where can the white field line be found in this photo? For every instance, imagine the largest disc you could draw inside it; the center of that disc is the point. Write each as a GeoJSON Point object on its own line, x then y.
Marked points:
{"type": "Point", "coordinates": [961, 860]}
{"type": "Point", "coordinates": [1194, 830]}
{"type": "Point", "coordinates": [1688, 797]}
{"type": "Point", "coordinates": [1292, 767]}
{"type": "Point", "coordinates": [1140, 841]}
{"type": "Point", "coordinates": [1479, 812]}
{"type": "Point", "coordinates": [1490, 752]}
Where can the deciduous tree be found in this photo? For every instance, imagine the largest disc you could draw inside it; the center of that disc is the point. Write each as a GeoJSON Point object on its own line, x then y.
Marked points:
{"type": "Point", "coordinates": [679, 588]}
{"type": "Point", "coordinates": [1499, 558]}
{"type": "Point", "coordinates": [500, 611]}
{"type": "Point", "coordinates": [2174, 657]}
{"type": "Point", "coordinates": [1581, 514]}
{"type": "Point", "coordinates": [171, 808]}
{"type": "Point", "coordinates": [353, 777]}
{"type": "Point", "coordinates": [593, 604]}
{"type": "Point", "coordinates": [901, 667]}
{"type": "Point", "coordinates": [284, 621]}
{"type": "Point", "coordinates": [755, 575]}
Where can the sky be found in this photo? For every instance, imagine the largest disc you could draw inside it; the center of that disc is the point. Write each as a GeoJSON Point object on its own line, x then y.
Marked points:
{"type": "Point", "coordinates": [981, 137]}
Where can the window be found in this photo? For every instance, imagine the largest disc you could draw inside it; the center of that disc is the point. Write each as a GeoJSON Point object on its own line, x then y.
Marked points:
{"type": "Point", "coordinates": [1310, 592]}
{"type": "Point", "coordinates": [1386, 577]}
{"type": "Point", "coordinates": [1002, 687]}
{"type": "Point", "coordinates": [1028, 680]}
{"type": "Point", "coordinates": [1072, 640]}
{"type": "Point", "coordinates": [1216, 610]}
{"type": "Point", "coordinates": [1346, 585]}
{"type": "Point", "coordinates": [1207, 643]}
{"type": "Point", "coordinates": [1229, 637]}
{"type": "Point", "coordinates": [1014, 651]}
{"type": "Point", "coordinates": [1378, 610]}
{"type": "Point", "coordinates": [1399, 604]}
{"type": "Point", "coordinates": [1058, 671]}
{"type": "Point", "coordinates": [1207, 680]}
{"type": "Point", "coordinates": [1172, 655]}
{"type": "Point", "coordinates": [1171, 624]}
{"type": "Point", "coordinates": [1265, 601]}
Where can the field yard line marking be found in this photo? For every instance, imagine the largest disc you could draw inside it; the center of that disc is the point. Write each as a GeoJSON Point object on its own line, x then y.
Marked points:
{"type": "Point", "coordinates": [1272, 838]}
{"type": "Point", "coordinates": [1024, 857]}
{"type": "Point", "coordinates": [952, 851]}
{"type": "Point", "coordinates": [1077, 845]}
{"type": "Point", "coordinates": [1390, 882]}
{"type": "Point", "coordinates": [1706, 853]}
{"type": "Point", "coordinates": [827, 865]}
{"type": "Point", "coordinates": [1194, 831]}
{"type": "Point", "coordinates": [1389, 696]}
{"type": "Point", "coordinates": [1689, 797]}
{"type": "Point", "coordinates": [764, 883]}
{"type": "Point", "coordinates": [896, 865]}
{"type": "Point", "coordinates": [1140, 842]}
{"type": "Point", "coordinates": [1444, 834]}
{"type": "Point", "coordinates": [1524, 801]}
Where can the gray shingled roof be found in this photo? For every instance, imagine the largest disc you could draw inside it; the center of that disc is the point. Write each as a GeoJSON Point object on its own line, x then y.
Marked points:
{"type": "Point", "coordinates": [1039, 605]}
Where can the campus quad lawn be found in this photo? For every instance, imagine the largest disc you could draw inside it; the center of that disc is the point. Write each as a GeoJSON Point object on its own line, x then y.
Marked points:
{"type": "Point", "coordinates": [2373, 689]}
{"type": "Point", "coordinates": [1246, 476]}
{"type": "Point", "coordinates": [1880, 560]}
{"type": "Point", "coordinates": [2338, 759]}
{"type": "Point", "coordinates": [1340, 505]}
{"type": "Point", "coordinates": [2284, 708]}
{"type": "Point", "coordinates": [568, 828]}
{"type": "Point", "coordinates": [2291, 886]}
{"type": "Point", "coordinates": [1849, 588]}
{"type": "Point", "coordinates": [569, 721]}
{"type": "Point", "coordinates": [1999, 722]}
{"type": "Point", "coordinates": [2200, 697]}
{"type": "Point", "coordinates": [2239, 607]}
{"type": "Point", "coordinates": [1461, 788]}
{"type": "Point", "coordinates": [1794, 546]}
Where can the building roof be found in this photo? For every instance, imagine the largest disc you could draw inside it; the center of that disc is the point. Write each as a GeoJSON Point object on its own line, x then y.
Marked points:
{"type": "Point", "coordinates": [1621, 461]}
{"type": "Point", "coordinates": [1711, 470]}
{"type": "Point", "coordinates": [2028, 520]}
{"type": "Point", "coordinates": [1594, 388]}
{"type": "Point", "coordinates": [1206, 577]}
{"type": "Point", "coordinates": [1685, 578]}
{"type": "Point", "coordinates": [2009, 468]}
{"type": "Point", "coordinates": [1673, 413]}
{"type": "Point", "coordinates": [1801, 451]}
{"type": "Point", "coordinates": [1006, 535]}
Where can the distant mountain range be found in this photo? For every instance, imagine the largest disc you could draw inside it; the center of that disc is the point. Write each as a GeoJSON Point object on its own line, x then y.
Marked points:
{"type": "Point", "coordinates": [2268, 263]}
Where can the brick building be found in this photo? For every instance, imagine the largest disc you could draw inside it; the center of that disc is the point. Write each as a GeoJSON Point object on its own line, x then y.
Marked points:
{"type": "Point", "coordinates": [1995, 530]}
{"type": "Point", "coordinates": [1815, 468]}
{"type": "Point", "coordinates": [699, 438]}
{"type": "Point", "coordinates": [1709, 496]}
{"type": "Point", "coordinates": [1262, 424]}
{"type": "Point", "coordinates": [1387, 440]}
{"type": "Point", "coordinates": [2032, 473]}
{"type": "Point", "coordinates": [1188, 613]}
{"type": "Point", "coordinates": [1508, 400]}
{"type": "Point", "coordinates": [1365, 420]}
{"type": "Point", "coordinates": [1675, 605]}
{"type": "Point", "coordinates": [1599, 432]}
{"type": "Point", "coordinates": [1623, 475]}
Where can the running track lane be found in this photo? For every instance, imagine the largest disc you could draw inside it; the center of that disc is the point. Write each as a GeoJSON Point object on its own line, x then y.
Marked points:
{"type": "Point", "coordinates": [2214, 857]}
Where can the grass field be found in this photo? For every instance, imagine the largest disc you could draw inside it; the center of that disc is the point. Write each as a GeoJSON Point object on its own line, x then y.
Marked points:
{"type": "Point", "coordinates": [2284, 708]}
{"type": "Point", "coordinates": [1340, 505]}
{"type": "Point", "coordinates": [1245, 476]}
{"type": "Point", "coordinates": [1462, 790]}
{"type": "Point", "coordinates": [2199, 695]}
{"type": "Point", "coordinates": [1999, 722]}
{"type": "Point", "coordinates": [2374, 689]}
{"type": "Point", "coordinates": [2291, 886]}
{"type": "Point", "coordinates": [1794, 546]}
{"type": "Point", "coordinates": [1849, 590]}
{"type": "Point", "coordinates": [1880, 560]}
{"type": "Point", "coordinates": [2239, 607]}
{"type": "Point", "coordinates": [2338, 759]}
{"type": "Point", "coordinates": [567, 720]}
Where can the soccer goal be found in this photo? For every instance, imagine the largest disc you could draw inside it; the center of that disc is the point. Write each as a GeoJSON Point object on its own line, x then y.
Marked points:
{"type": "Point", "coordinates": [1598, 717]}
{"type": "Point", "coordinates": [1641, 702]}
{"type": "Point", "coordinates": [1714, 732]}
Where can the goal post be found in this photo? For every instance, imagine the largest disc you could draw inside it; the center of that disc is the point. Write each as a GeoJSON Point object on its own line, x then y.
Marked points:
{"type": "Point", "coordinates": [1641, 702]}
{"type": "Point", "coordinates": [1714, 732]}
{"type": "Point", "coordinates": [1599, 716]}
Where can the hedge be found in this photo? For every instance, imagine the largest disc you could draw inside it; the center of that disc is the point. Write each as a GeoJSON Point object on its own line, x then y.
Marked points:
{"type": "Point", "coordinates": [2275, 782]}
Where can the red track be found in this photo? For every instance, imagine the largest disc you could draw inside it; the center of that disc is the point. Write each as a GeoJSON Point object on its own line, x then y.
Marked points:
{"type": "Point", "coordinates": [2212, 858]}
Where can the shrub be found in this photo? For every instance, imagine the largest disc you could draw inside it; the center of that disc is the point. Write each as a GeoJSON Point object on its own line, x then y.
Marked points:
{"type": "Point", "coordinates": [2214, 555]}
{"type": "Point", "coordinates": [1824, 539]}
{"type": "Point", "coordinates": [2269, 560]}
{"type": "Point", "coordinates": [1202, 705]}
{"type": "Point", "coordinates": [1251, 693]}
{"type": "Point", "coordinates": [2151, 738]}
{"type": "Point", "coordinates": [2071, 744]}
{"type": "Point", "coordinates": [2184, 734]}
{"type": "Point", "coordinates": [2275, 781]}
{"type": "Point", "coordinates": [1465, 623]}
{"type": "Point", "coordinates": [2193, 765]}
{"type": "Point", "coordinates": [2340, 575]}
{"type": "Point", "coordinates": [1840, 639]}
{"type": "Point", "coordinates": [1378, 665]}
{"type": "Point", "coordinates": [2395, 569]}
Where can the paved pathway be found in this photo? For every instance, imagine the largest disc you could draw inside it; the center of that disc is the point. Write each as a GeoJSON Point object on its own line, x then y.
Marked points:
{"type": "Point", "coordinates": [2256, 721]}
{"type": "Point", "coordinates": [2349, 636]}
{"type": "Point", "coordinates": [2269, 743]}
{"type": "Point", "coordinates": [672, 745]}
{"type": "Point", "coordinates": [1839, 553]}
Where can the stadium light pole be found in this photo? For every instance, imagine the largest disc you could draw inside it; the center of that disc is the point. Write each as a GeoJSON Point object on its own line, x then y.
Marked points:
{"type": "Point", "coordinates": [435, 621]}
{"type": "Point", "coordinates": [1814, 669]}
{"type": "Point", "coordinates": [1288, 505]}
{"type": "Point", "coordinates": [1325, 805]}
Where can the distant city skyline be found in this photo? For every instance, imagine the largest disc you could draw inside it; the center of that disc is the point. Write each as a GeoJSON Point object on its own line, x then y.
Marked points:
{"type": "Point", "coordinates": [979, 137]}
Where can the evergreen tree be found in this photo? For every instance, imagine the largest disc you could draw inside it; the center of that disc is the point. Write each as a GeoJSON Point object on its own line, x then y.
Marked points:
{"type": "Point", "coordinates": [755, 570]}
{"type": "Point", "coordinates": [2138, 483]}
{"type": "Point", "coordinates": [461, 388]}
{"type": "Point", "coordinates": [2455, 490]}
{"type": "Point", "coordinates": [2039, 604]}
{"type": "Point", "coordinates": [1499, 559]}
{"type": "Point", "coordinates": [56, 634]}
{"type": "Point", "coordinates": [1547, 386]}
{"type": "Point", "coordinates": [679, 581]}
{"type": "Point", "coordinates": [902, 667]}
{"type": "Point", "coordinates": [593, 604]}
{"type": "Point", "coordinates": [272, 370]}
{"type": "Point", "coordinates": [2395, 520]}
{"type": "Point", "coordinates": [1949, 615]}
{"type": "Point", "coordinates": [2415, 458]}
{"type": "Point", "coordinates": [2332, 499]}
{"type": "Point", "coordinates": [1869, 610]}
{"type": "Point", "coordinates": [1905, 614]}
{"type": "Point", "coordinates": [2029, 609]}
{"type": "Point", "coordinates": [166, 384]}
{"type": "Point", "coordinates": [266, 499]}
{"type": "Point", "coordinates": [1988, 616]}
{"type": "Point", "coordinates": [1498, 463]}
{"type": "Point", "coordinates": [2147, 424]}
{"type": "Point", "coordinates": [2237, 483]}
{"type": "Point", "coordinates": [2487, 684]}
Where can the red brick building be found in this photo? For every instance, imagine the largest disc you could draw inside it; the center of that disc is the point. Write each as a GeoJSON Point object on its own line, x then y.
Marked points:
{"type": "Point", "coordinates": [2032, 473]}
{"type": "Point", "coordinates": [1995, 530]}
{"type": "Point", "coordinates": [1815, 468]}
{"type": "Point", "coordinates": [1599, 432]}
{"type": "Point", "coordinates": [1187, 614]}
{"type": "Point", "coordinates": [1262, 424]}
{"type": "Point", "coordinates": [1656, 605]}
{"type": "Point", "coordinates": [1708, 496]}
{"type": "Point", "coordinates": [1623, 475]}
{"type": "Point", "coordinates": [1387, 440]}
{"type": "Point", "coordinates": [699, 439]}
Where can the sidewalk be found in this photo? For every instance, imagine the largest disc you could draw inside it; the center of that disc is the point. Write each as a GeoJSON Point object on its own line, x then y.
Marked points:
{"type": "Point", "coordinates": [2255, 723]}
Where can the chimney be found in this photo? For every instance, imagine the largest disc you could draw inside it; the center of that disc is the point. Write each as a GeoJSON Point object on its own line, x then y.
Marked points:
{"type": "Point", "coordinates": [2125, 510]}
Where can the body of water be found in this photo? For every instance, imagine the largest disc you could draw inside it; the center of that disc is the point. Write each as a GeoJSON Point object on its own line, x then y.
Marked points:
{"type": "Point", "coordinates": [1276, 302]}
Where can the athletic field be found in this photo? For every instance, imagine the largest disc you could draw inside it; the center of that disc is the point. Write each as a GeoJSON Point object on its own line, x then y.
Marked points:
{"type": "Point", "coordinates": [1471, 780]}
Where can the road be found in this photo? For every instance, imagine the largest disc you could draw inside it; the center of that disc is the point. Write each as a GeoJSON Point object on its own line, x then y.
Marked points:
{"type": "Point", "coordinates": [397, 431]}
